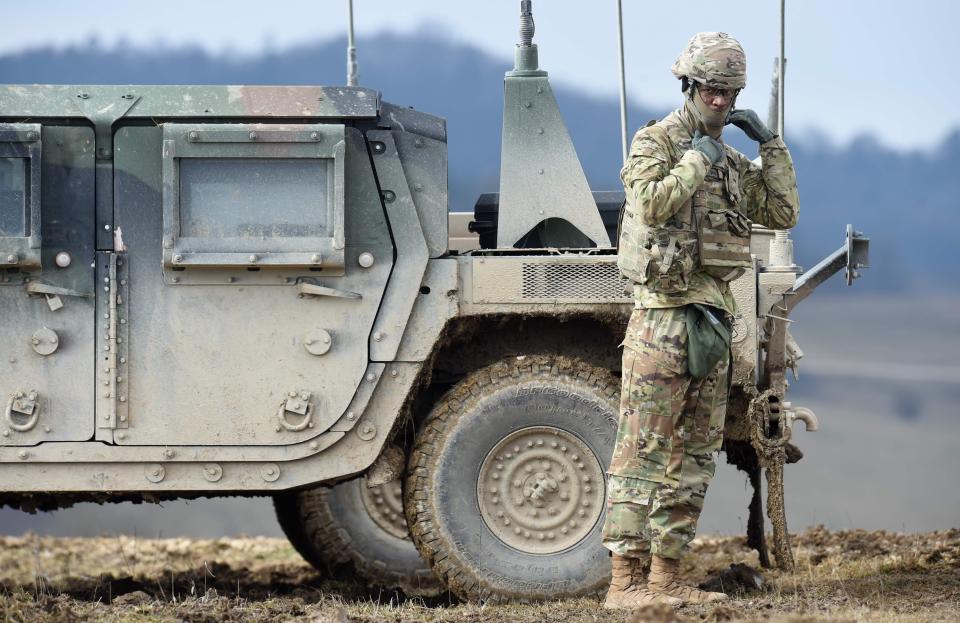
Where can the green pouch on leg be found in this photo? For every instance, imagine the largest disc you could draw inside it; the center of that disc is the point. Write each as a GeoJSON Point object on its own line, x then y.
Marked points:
{"type": "Point", "coordinates": [708, 339]}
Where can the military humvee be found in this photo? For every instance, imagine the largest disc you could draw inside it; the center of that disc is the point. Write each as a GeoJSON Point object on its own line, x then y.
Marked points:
{"type": "Point", "coordinates": [213, 291]}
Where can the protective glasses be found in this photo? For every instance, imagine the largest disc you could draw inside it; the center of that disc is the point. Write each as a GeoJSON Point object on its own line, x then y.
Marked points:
{"type": "Point", "coordinates": [708, 92]}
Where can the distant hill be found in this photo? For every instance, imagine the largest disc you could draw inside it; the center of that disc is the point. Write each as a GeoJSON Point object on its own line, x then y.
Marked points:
{"type": "Point", "coordinates": [906, 201]}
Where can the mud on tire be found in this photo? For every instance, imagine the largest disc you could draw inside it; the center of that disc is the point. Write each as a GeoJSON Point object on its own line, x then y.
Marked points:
{"type": "Point", "coordinates": [351, 530]}
{"type": "Point", "coordinates": [505, 488]}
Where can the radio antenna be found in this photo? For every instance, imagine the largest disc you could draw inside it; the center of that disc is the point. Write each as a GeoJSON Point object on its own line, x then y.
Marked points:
{"type": "Point", "coordinates": [352, 70]}
{"type": "Point", "coordinates": [782, 68]}
{"type": "Point", "coordinates": [623, 84]}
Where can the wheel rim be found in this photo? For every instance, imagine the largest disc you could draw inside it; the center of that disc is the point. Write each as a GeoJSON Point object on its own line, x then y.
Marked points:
{"type": "Point", "coordinates": [384, 504]}
{"type": "Point", "coordinates": [541, 490]}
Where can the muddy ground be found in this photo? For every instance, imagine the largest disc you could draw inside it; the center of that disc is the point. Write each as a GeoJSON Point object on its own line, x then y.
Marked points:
{"type": "Point", "coordinates": [841, 576]}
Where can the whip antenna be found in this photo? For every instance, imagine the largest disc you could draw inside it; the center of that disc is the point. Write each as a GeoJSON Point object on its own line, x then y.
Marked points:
{"type": "Point", "coordinates": [352, 71]}
{"type": "Point", "coordinates": [623, 83]}
{"type": "Point", "coordinates": [780, 70]}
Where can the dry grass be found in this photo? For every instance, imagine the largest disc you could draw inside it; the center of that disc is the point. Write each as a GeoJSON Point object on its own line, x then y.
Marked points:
{"type": "Point", "coordinates": [841, 576]}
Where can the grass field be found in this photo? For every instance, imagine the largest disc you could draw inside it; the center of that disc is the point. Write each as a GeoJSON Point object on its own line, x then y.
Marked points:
{"type": "Point", "coordinates": [841, 576]}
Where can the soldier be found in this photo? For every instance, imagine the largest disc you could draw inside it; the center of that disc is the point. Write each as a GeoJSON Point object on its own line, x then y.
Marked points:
{"type": "Point", "coordinates": [685, 235]}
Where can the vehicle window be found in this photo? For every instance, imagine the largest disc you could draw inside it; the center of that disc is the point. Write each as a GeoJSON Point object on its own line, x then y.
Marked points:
{"type": "Point", "coordinates": [253, 198]}
{"type": "Point", "coordinates": [13, 200]}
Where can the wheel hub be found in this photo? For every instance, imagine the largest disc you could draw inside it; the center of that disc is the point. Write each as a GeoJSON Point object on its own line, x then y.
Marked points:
{"type": "Point", "coordinates": [384, 504]}
{"type": "Point", "coordinates": [541, 490]}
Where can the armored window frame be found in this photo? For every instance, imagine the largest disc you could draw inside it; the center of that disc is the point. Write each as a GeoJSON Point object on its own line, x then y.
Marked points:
{"type": "Point", "coordinates": [259, 142]}
{"type": "Point", "coordinates": [23, 141]}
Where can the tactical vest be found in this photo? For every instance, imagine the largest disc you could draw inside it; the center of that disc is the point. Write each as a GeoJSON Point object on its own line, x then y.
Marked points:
{"type": "Point", "coordinates": [707, 233]}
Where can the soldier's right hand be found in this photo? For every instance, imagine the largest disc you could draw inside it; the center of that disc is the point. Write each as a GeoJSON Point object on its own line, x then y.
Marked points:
{"type": "Point", "coordinates": [709, 147]}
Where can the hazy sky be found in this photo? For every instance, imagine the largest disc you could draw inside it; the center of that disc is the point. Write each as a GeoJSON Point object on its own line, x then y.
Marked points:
{"type": "Point", "coordinates": [855, 66]}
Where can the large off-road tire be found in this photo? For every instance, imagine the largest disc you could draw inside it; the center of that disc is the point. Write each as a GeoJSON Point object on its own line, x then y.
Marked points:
{"type": "Point", "coordinates": [353, 530]}
{"type": "Point", "coordinates": [505, 489]}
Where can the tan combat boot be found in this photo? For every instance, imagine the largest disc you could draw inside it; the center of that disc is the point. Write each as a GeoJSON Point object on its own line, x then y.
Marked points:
{"type": "Point", "coordinates": [664, 579]}
{"type": "Point", "coordinates": [628, 586]}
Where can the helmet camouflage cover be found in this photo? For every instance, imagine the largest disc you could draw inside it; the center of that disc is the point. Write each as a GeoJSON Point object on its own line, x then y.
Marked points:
{"type": "Point", "coordinates": [713, 58]}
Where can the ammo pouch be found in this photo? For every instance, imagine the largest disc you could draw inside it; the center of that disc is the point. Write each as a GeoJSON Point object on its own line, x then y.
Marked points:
{"type": "Point", "coordinates": [724, 242]}
{"type": "Point", "coordinates": [708, 339]}
{"type": "Point", "coordinates": [659, 257]}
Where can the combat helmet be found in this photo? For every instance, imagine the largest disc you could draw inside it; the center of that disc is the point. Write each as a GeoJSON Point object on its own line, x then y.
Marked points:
{"type": "Point", "coordinates": [713, 58]}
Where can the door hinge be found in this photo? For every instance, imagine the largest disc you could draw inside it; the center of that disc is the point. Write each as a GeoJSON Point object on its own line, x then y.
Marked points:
{"type": "Point", "coordinates": [112, 382]}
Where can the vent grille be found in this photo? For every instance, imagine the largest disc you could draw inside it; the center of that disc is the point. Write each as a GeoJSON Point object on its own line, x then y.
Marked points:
{"type": "Point", "coordinates": [591, 281]}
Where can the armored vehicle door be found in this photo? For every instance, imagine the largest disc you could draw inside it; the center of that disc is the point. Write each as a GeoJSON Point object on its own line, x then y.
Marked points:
{"type": "Point", "coordinates": [253, 263]}
{"type": "Point", "coordinates": [47, 241]}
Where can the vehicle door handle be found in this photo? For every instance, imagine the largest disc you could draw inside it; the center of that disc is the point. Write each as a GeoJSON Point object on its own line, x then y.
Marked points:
{"type": "Point", "coordinates": [35, 287]}
{"type": "Point", "coordinates": [53, 293]}
{"type": "Point", "coordinates": [312, 289]}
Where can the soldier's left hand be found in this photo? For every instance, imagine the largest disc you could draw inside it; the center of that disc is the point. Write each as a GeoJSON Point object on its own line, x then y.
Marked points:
{"type": "Point", "coordinates": [750, 123]}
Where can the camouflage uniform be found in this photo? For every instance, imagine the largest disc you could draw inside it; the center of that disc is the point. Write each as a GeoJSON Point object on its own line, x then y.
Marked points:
{"type": "Point", "coordinates": [670, 423]}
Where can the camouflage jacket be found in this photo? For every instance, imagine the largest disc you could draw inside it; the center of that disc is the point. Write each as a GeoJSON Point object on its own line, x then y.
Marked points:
{"type": "Point", "coordinates": [657, 185]}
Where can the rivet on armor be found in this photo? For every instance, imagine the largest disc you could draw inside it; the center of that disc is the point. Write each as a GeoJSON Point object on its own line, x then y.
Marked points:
{"type": "Point", "coordinates": [155, 472]}
{"type": "Point", "coordinates": [62, 259]}
{"type": "Point", "coordinates": [270, 472]}
{"type": "Point", "coordinates": [367, 432]}
{"type": "Point", "coordinates": [212, 472]}
{"type": "Point", "coordinates": [366, 259]}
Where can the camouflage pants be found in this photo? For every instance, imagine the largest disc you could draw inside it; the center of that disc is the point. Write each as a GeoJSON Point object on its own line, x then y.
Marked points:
{"type": "Point", "coordinates": [670, 427]}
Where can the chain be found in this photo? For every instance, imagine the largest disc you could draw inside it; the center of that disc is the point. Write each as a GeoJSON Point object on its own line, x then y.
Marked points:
{"type": "Point", "coordinates": [758, 414]}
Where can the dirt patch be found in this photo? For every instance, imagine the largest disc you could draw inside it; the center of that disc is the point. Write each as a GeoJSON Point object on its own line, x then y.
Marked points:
{"type": "Point", "coordinates": [840, 576]}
